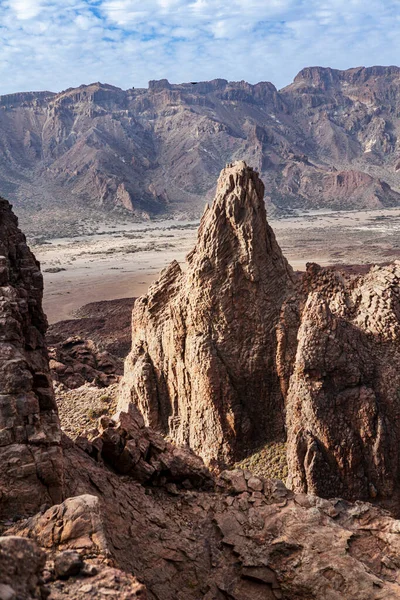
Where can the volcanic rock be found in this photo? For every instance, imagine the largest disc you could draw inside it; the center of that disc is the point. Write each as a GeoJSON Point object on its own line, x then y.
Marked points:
{"type": "Point", "coordinates": [30, 455]}
{"type": "Point", "coordinates": [106, 323]}
{"type": "Point", "coordinates": [21, 563]}
{"type": "Point", "coordinates": [202, 365]}
{"type": "Point", "coordinates": [76, 361]}
{"type": "Point", "coordinates": [343, 397]}
{"type": "Point", "coordinates": [242, 544]}
{"type": "Point", "coordinates": [133, 449]}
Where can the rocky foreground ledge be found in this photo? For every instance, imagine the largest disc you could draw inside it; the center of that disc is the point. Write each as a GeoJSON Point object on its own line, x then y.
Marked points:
{"type": "Point", "coordinates": [130, 514]}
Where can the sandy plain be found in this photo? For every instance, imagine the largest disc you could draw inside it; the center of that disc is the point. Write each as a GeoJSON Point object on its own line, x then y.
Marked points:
{"type": "Point", "coordinates": [121, 260]}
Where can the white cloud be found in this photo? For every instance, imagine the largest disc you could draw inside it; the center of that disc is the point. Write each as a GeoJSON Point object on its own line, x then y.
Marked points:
{"type": "Point", "coordinates": [54, 44]}
{"type": "Point", "coordinates": [25, 9]}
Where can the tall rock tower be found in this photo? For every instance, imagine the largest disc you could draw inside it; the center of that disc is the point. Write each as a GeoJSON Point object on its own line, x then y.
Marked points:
{"type": "Point", "coordinates": [202, 366]}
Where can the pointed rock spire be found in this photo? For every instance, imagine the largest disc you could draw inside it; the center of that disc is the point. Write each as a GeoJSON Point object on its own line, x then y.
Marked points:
{"type": "Point", "coordinates": [202, 365]}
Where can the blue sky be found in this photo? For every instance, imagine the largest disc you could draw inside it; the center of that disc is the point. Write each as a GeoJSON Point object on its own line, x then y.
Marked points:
{"type": "Point", "coordinates": [55, 44]}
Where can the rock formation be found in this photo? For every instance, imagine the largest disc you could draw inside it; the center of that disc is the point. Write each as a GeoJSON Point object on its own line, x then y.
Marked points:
{"type": "Point", "coordinates": [202, 365]}
{"type": "Point", "coordinates": [30, 453]}
{"type": "Point", "coordinates": [131, 448]}
{"type": "Point", "coordinates": [144, 519]}
{"type": "Point", "coordinates": [249, 539]}
{"type": "Point", "coordinates": [343, 397]}
{"type": "Point", "coordinates": [226, 349]}
{"type": "Point", "coordinates": [76, 361]}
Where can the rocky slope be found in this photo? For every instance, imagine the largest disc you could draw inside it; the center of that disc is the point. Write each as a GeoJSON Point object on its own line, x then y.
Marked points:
{"type": "Point", "coordinates": [106, 323]}
{"type": "Point", "coordinates": [330, 139]}
{"type": "Point", "coordinates": [203, 344]}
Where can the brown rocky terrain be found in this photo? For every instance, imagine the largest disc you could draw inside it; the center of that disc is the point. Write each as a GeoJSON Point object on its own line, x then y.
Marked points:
{"type": "Point", "coordinates": [106, 323]}
{"type": "Point", "coordinates": [127, 514]}
{"type": "Point", "coordinates": [330, 139]}
{"type": "Point", "coordinates": [203, 341]}
{"type": "Point", "coordinates": [76, 361]}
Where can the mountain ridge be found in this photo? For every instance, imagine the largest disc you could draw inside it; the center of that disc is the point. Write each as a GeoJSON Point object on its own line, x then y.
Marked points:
{"type": "Point", "coordinates": [157, 151]}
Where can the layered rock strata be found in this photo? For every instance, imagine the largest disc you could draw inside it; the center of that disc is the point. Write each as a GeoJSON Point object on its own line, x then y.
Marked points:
{"type": "Point", "coordinates": [202, 365]}
{"type": "Point", "coordinates": [30, 453]}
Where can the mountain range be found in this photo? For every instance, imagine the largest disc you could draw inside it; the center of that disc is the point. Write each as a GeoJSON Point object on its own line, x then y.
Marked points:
{"type": "Point", "coordinates": [328, 140]}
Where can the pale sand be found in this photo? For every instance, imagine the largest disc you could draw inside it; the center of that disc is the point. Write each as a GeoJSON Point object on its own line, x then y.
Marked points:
{"type": "Point", "coordinates": [105, 267]}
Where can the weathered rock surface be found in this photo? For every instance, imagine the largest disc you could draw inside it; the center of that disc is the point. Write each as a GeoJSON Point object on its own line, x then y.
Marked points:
{"type": "Point", "coordinates": [30, 453]}
{"type": "Point", "coordinates": [202, 365]}
{"type": "Point", "coordinates": [106, 323]}
{"type": "Point", "coordinates": [21, 564]}
{"type": "Point", "coordinates": [223, 351]}
{"type": "Point", "coordinates": [236, 542]}
{"type": "Point", "coordinates": [73, 559]}
{"type": "Point", "coordinates": [138, 451]}
{"type": "Point", "coordinates": [343, 398]}
{"type": "Point", "coordinates": [76, 524]}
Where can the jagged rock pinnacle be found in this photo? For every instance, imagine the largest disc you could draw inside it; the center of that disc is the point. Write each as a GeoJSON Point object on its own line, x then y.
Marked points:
{"type": "Point", "coordinates": [201, 367]}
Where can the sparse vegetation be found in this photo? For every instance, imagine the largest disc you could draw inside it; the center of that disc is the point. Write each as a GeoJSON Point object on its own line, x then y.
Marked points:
{"type": "Point", "coordinates": [95, 413]}
{"type": "Point", "coordinates": [269, 461]}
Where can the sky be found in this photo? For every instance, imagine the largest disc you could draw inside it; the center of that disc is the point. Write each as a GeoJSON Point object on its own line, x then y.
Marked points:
{"type": "Point", "coordinates": [56, 44]}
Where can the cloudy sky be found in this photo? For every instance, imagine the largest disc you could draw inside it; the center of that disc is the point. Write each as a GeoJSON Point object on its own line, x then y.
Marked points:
{"type": "Point", "coordinates": [55, 44]}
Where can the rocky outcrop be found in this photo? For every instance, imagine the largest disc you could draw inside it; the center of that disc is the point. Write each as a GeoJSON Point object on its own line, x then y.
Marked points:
{"type": "Point", "coordinates": [133, 449]}
{"type": "Point", "coordinates": [107, 323]}
{"type": "Point", "coordinates": [30, 455]}
{"type": "Point", "coordinates": [226, 349]}
{"type": "Point", "coordinates": [251, 538]}
{"type": "Point", "coordinates": [202, 365]}
{"type": "Point", "coordinates": [144, 518]}
{"type": "Point", "coordinates": [343, 397]}
{"type": "Point", "coordinates": [21, 566]}
{"type": "Point", "coordinates": [76, 361]}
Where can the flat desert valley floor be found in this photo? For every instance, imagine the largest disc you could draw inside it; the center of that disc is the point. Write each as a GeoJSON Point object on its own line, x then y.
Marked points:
{"type": "Point", "coordinates": [121, 260]}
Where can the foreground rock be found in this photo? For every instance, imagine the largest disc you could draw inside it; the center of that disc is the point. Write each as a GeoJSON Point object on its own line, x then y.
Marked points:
{"type": "Point", "coordinates": [133, 449]}
{"type": "Point", "coordinates": [250, 539]}
{"type": "Point", "coordinates": [21, 566]}
{"type": "Point", "coordinates": [202, 366]}
{"type": "Point", "coordinates": [31, 469]}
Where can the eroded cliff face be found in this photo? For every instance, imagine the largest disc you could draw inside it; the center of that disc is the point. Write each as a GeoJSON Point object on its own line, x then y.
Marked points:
{"type": "Point", "coordinates": [30, 454]}
{"type": "Point", "coordinates": [343, 398]}
{"type": "Point", "coordinates": [202, 365]}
